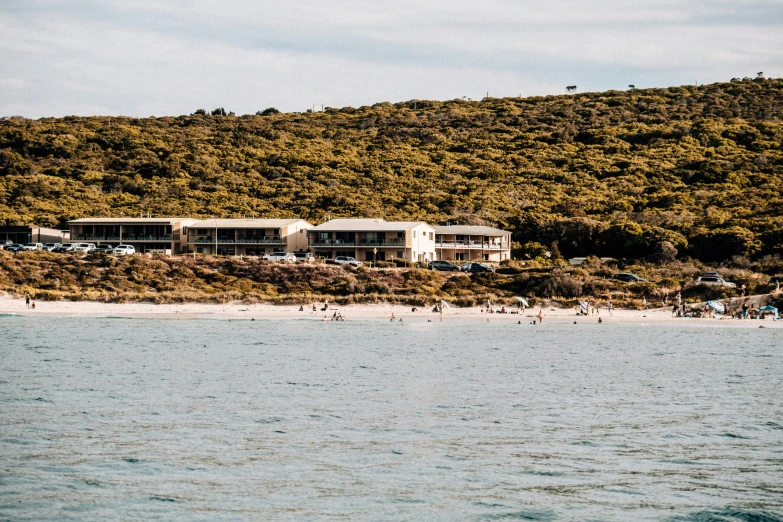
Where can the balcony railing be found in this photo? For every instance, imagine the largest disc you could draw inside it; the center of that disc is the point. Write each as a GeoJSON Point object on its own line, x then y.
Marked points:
{"type": "Point", "coordinates": [478, 245]}
{"type": "Point", "coordinates": [92, 237]}
{"type": "Point", "coordinates": [146, 237]}
{"type": "Point", "coordinates": [394, 242]}
{"type": "Point", "coordinates": [230, 240]}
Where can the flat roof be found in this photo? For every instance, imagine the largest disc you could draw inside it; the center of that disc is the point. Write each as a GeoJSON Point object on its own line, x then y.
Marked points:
{"type": "Point", "coordinates": [130, 220]}
{"type": "Point", "coordinates": [371, 225]}
{"type": "Point", "coordinates": [467, 230]}
{"type": "Point", "coordinates": [246, 223]}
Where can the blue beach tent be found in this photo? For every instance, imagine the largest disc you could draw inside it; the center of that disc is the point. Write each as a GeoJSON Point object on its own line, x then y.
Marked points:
{"type": "Point", "coordinates": [770, 308]}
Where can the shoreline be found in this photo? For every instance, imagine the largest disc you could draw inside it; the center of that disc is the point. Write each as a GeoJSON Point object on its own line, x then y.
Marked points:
{"type": "Point", "coordinates": [10, 305]}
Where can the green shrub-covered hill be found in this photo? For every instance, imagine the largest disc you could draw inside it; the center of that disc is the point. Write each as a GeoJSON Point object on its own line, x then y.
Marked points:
{"type": "Point", "coordinates": [613, 173]}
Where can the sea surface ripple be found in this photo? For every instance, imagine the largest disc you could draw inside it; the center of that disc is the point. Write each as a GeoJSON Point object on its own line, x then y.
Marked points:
{"type": "Point", "coordinates": [106, 419]}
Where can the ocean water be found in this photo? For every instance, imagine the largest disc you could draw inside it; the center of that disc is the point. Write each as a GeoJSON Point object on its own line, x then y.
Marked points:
{"type": "Point", "coordinates": [105, 419]}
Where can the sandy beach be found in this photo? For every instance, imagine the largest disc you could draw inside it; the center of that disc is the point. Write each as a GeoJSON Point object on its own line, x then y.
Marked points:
{"type": "Point", "coordinates": [232, 311]}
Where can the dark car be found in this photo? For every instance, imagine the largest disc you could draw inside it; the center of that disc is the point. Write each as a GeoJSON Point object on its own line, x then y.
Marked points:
{"type": "Point", "coordinates": [14, 247]}
{"type": "Point", "coordinates": [62, 248]}
{"type": "Point", "coordinates": [442, 266]}
{"type": "Point", "coordinates": [103, 249]}
{"type": "Point", "coordinates": [629, 278]}
{"type": "Point", "coordinates": [474, 268]}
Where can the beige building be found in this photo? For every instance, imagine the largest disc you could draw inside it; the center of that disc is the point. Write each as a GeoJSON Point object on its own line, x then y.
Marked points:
{"type": "Point", "coordinates": [374, 239]}
{"type": "Point", "coordinates": [145, 234]}
{"type": "Point", "coordinates": [249, 237]}
{"type": "Point", "coordinates": [466, 243]}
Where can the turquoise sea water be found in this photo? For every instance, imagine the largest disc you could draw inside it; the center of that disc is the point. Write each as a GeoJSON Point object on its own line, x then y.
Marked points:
{"type": "Point", "coordinates": [104, 419]}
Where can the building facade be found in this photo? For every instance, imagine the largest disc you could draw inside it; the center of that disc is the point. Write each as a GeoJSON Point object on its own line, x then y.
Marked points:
{"type": "Point", "coordinates": [374, 239]}
{"type": "Point", "coordinates": [165, 235]}
{"type": "Point", "coordinates": [24, 234]}
{"type": "Point", "coordinates": [249, 237]}
{"type": "Point", "coordinates": [467, 243]}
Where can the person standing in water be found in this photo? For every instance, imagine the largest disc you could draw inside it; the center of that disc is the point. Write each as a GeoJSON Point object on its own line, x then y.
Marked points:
{"type": "Point", "coordinates": [540, 315]}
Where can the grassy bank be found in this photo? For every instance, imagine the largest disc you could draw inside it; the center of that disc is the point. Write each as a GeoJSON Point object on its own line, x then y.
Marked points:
{"type": "Point", "coordinates": [98, 277]}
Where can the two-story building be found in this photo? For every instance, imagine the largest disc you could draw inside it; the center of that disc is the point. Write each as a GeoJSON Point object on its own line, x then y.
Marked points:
{"type": "Point", "coordinates": [466, 243]}
{"type": "Point", "coordinates": [145, 234]}
{"type": "Point", "coordinates": [249, 237]}
{"type": "Point", "coordinates": [374, 239]}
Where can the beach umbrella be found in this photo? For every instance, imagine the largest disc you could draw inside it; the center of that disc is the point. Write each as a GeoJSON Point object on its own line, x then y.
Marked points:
{"type": "Point", "coordinates": [521, 300]}
{"type": "Point", "coordinates": [717, 306]}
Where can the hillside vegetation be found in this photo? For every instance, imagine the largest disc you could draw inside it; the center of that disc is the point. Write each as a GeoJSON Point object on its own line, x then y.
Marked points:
{"type": "Point", "coordinates": [100, 277]}
{"type": "Point", "coordinates": [624, 174]}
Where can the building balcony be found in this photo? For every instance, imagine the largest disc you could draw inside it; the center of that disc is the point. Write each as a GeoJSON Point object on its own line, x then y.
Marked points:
{"type": "Point", "coordinates": [143, 237]}
{"type": "Point", "coordinates": [92, 237]}
{"type": "Point", "coordinates": [328, 243]}
{"type": "Point", "coordinates": [239, 240]}
{"type": "Point", "coordinates": [473, 245]}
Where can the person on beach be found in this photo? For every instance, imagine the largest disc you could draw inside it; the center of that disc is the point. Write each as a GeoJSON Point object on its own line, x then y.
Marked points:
{"type": "Point", "coordinates": [314, 307]}
{"type": "Point", "coordinates": [609, 308]}
{"type": "Point", "coordinates": [675, 310]}
{"type": "Point", "coordinates": [26, 300]}
{"type": "Point", "coordinates": [32, 305]}
{"type": "Point", "coordinates": [745, 310]}
{"type": "Point", "coordinates": [644, 303]}
{"type": "Point", "coordinates": [540, 315]}
{"type": "Point", "coordinates": [301, 308]}
{"type": "Point", "coordinates": [392, 318]}
{"type": "Point", "coordinates": [679, 298]}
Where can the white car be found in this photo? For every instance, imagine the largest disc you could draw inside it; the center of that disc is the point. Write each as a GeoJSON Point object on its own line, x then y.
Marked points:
{"type": "Point", "coordinates": [347, 260]}
{"type": "Point", "coordinates": [51, 246]}
{"type": "Point", "coordinates": [124, 250]}
{"type": "Point", "coordinates": [83, 247]}
{"type": "Point", "coordinates": [32, 246]}
{"type": "Point", "coordinates": [304, 257]}
{"type": "Point", "coordinates": [280, 256]}
{"type": "Point", "coordinates": [715, 280]}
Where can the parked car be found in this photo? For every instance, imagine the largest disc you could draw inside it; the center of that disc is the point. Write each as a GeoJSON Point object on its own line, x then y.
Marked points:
{"type": "Point", "coordinates": [49, 247]}
{"type": "Point", "coordinates": [476, 268]}
{"type": "Point", "coordinates": [14, 247]}
{"type": "Point", "coordinates": [105, 249]}
{"type": "Point", "coordinates": [714, 280]}
{"type": "Point", "coordinates": [347, 260]}
{"type": "Point", "coordinates": [32, 246]}
{"type": "Point", "coordinates": [280, 256]}
{"type": "Point", "coordinates": [63, 248]}
{"type": "Point", "coordinates": [442, 266]}
{"type": "Point", "coordinates": [304, 257]}
{"type": "Point", "coordinates": [83, 247]}
{"type": "Point", "coordinates": [123, 250]}
{"type": "Point", "coordinates": [628, 278]}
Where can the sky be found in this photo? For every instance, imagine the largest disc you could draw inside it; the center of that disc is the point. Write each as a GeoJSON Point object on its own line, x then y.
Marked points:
{"type": "Point", "coordinates": [171, 57]}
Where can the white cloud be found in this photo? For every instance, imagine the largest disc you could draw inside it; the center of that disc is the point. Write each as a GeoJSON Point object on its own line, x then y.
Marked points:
{"type": "Point", "coordinates": [143, 57]}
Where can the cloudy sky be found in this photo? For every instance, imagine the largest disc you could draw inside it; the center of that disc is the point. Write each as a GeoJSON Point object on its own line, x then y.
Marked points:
{"type": "Point", "coordinates": [170, 57]}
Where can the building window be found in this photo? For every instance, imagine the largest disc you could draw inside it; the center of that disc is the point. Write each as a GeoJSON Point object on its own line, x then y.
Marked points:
{"type": "Point", "coordinates": [432, 235]}
{"type": "Point", "coordinates": [400, 254]}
